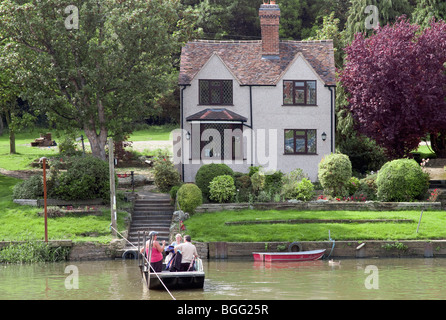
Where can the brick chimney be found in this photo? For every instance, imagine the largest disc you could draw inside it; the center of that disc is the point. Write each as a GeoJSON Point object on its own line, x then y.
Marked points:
{"type": "Point", "coordinates": [269, 23]}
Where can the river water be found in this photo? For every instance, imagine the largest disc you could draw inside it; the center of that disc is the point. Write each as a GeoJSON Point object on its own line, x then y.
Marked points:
{"type": "Point", "coordinates": [382, 279]}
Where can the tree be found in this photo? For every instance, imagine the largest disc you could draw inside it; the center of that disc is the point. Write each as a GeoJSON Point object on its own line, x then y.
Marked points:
{"type": "Point", "coordinates": [395, 82]}
{"type": "Point", "coordinates": [94, 65]}
{"type": "Point", "coordinates": [387, 12]}
{"type": "Point", "coordinates": [426, 10]}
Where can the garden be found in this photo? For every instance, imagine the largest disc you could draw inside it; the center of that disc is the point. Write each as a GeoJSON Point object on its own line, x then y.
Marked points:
{"type": "Point", "coordinates": [401, 180]}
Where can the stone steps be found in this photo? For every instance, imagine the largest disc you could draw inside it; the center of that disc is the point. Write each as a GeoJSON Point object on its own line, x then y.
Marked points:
{"type": "Point", "coordinates": [151, 213]}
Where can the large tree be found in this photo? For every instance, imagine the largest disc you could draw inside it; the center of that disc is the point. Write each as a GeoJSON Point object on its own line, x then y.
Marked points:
{"type": "Point", "coordinates": [395, 82]}
{"type": "Point", "coordinates": [93, 64]}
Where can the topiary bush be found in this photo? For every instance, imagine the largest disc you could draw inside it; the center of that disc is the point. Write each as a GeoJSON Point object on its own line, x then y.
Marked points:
{"type": "Point", "coordinates": [222, 189]}
{"type": "Point", "coordinates": [208, 172]}
{"type": "Point", "coordinates": [165, 174]}
{"type": "Point", "coordinates": [401, 180]}
{"type": "Point", "coordinates": [189, 197]}
{"type": "Point", "coordinates": [335, 171]}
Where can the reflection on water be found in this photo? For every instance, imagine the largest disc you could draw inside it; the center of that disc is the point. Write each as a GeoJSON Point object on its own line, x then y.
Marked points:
{"type": "Point", "coordinates": [229, 279]}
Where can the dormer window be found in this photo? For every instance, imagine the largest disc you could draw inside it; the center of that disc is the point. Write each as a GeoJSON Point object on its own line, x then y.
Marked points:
{"type": "Point", "coordinates": [215, 92]}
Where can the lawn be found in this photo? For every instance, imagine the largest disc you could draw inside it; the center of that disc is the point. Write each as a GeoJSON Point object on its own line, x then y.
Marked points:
{"type": "Point", "coordinates": [211, 226]}
{"type": "Point", "coordinates": [27, 154]}
{"type": "Point", "coordinates": [23, 222]}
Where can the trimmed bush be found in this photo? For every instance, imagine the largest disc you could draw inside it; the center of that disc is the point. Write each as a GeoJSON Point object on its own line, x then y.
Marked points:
{"type": "Point", "coordinates": [208, 172]}
{"type": "Point", "coordinates": [165, 174]}
{"type": "Point", "coordinates": [189, 197]}
{"type": "Point", "coordinates": [305, 190]}
{"type": "Point", "coordinates": [335, 171]}
{"type": "Point", "coordinates": [401, 180]}
{"type": "Point", "coordinates": [222, 189]}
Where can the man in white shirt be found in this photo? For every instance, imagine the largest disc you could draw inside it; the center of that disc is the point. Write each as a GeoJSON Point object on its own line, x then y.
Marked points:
{"type": "Point", "coordinates": [188, 252]}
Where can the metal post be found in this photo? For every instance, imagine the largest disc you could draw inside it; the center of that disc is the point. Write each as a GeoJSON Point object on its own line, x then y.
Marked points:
{"type": "Point", "coordinates": [132, 173]}
{"type": "Point", "coordinates": [112, 186]}
{"type": "Point", "coordinates": [149, 256]}
{"type": "Point", "coordinates": [139, 249]}
{"type": "Point", "coordinates": [44, 200]}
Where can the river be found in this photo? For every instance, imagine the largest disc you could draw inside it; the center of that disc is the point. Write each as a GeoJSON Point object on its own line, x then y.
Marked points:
{"type": "Point", "coordinates": [381, 279]}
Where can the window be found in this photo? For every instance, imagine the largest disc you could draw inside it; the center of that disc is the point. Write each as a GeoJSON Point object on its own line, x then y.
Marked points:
{"type": "Point", "coordinates": [296, 92]}
{"type": "Point", "coordinates": [221, 141]}
{"type": "Point", "coordinates": [215, 92]}
{"type": "Point", "coordinates": [300, 141]}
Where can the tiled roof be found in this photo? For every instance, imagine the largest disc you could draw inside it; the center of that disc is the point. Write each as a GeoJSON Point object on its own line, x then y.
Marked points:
{"type": "Point", "coordinates": [216, 114]}
{"type": "Point", "coordinates": [244, 59]}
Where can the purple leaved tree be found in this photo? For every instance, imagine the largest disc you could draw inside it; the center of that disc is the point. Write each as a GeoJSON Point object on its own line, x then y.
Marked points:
{"type": "Point", "coordinates": [395, 82]}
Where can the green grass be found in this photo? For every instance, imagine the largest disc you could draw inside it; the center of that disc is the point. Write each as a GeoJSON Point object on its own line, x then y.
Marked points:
{"type": "Point", "coordinates": [153, 133]}
{"type": "Point", "coordinates": [27, 154]}
{"type": "Point", "coordinates": [23, 222]}
{"type": "Point", "coordinates": [211, 226]}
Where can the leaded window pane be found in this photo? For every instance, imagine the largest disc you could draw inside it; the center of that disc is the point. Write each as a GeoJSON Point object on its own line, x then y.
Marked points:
{"type": "Point", "coordinates": [289, 141]}
{"type": "Point", "coordinates": [215, 92]}
{"type": "Point", "coordinates": [311, 92]}
{"type": "Point", "coordinates": [311, 141]}
{"type": "Point", "coordinates": [288, 92]}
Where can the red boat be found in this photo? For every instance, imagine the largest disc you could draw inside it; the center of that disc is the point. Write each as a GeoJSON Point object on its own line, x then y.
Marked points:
{"type": "Point", "coordinates": [289, 256]}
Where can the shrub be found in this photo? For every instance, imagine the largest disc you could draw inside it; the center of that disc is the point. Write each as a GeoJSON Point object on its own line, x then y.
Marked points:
{"type": "Point", "coordinates": [67, 146]}
{"type": "Point", "coordinates": [86, 178]}
{"type": "Point", "coordinates": [335, 171]}
{"type": "Point", "coordinates": [305, 190]}
{"type": "Point", "coordinates": [290, 182]}
{"type": "Point", "coordinates": [189, 197]}
{"type": "Point", "coordinates": [222, 189]}
{"type": "Point", "coordinates": [264, 196]}
{"type": "Point", "coordinates": [258, 181]}
{"type": "Point", "coordinates": [208, 172]}
{"type": "Point", "coordinates": [367, 188]}
{"type": "Point", "coordinates": [29, 189]}
{"type": "Point", "coordinates": [165, 174]}
{"type": "Point", "coordinates": [353, 185]}
{"type": "Point", "coordinates": [401, 180]}
{"type": "Point", "coordinates": [273, 182]}
{"type": "Point", "coordinates": [173, 193]}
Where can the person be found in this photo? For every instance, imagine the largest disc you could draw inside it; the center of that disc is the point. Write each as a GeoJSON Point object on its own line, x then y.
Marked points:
{"type": "Point", "coordinates": [188, 252]}
{"type": "Point", "coordinates": [156, 259]}
{"type": "Point", "coordinates": [170, 249]}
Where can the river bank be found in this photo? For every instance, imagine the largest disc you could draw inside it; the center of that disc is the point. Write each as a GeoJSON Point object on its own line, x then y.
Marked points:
{"type": "Point", "coordinates": [90, 251]}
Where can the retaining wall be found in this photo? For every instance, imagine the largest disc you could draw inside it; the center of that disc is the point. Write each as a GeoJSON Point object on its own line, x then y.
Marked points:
{"type": "Point", "coordinates": [322, 205]}
{"type": "Point", "coordinates": [341, 249]}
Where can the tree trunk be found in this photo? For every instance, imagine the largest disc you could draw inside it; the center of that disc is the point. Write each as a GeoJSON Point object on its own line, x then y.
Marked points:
{"type": "Point", "coordinates": [438, 144]}
{"type": "Point", "coordinates": [97, 142]}
{"type": "Point", "coordinates": [12, 149]}
{"type": "Point", "coordinates": [1, 124]}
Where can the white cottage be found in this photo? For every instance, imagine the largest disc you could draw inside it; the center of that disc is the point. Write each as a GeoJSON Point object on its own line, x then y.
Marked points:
{"type": "Point", "coordinates": [249, 103]}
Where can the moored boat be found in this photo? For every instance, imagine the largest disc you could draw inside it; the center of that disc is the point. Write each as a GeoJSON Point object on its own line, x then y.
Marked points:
{"type": "Point", "coordinates": [289, 256]}
{"type": "Point", "coordinates": [174, 280]}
